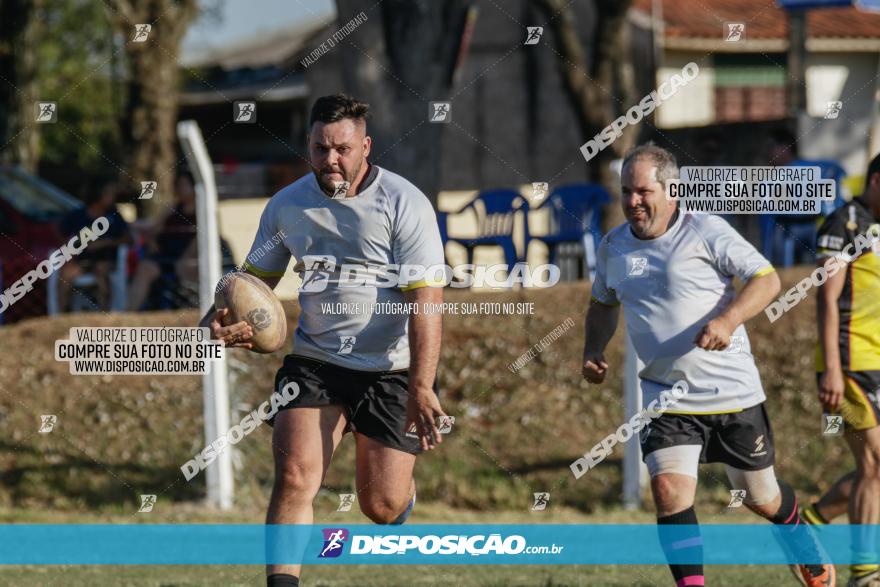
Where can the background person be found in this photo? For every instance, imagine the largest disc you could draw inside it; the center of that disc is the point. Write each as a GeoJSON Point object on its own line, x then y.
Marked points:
{"type": "Point", "coordinates": [173, 248]}
{"type": "Point", "coordinates": [848, 365]}
{"type": "Point", "coordinates": [100, 256]}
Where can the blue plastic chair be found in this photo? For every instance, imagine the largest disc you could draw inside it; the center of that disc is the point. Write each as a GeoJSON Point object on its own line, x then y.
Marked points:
{"type": "Point", "coordinates": [443, 225]}
{"type": "Point", "coordinates": [496, 212]}
{"type": "Point", "coordinates": [779, 243]}
{"type": "Point", "coordinates": [576, 213]}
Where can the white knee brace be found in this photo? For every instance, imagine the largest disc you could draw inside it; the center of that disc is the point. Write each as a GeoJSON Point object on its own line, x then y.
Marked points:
{"type": "Point", "coordinates": [761, 486]}
{"type": "Point", "coordinates": [683, 459]}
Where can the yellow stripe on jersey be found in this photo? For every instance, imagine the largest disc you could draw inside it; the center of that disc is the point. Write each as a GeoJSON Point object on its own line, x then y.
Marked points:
{"type": "Point", "coordinates": [764, 271]}
{"type": "Point", "coordinates": [261, 272]}
{"type": "Point", "coordinates": [422, 283]}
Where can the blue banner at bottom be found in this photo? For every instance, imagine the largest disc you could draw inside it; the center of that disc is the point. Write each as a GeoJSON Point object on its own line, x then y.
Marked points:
{"type": "Point", "coordinates": [433, 544]}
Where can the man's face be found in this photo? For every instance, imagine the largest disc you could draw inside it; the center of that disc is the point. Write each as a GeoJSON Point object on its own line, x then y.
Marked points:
{"type": "Point", "coordinates": [644, 201]}
{"type": "Point", "coordinates": [338, 152]}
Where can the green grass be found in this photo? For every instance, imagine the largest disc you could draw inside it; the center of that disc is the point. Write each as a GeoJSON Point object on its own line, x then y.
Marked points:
{"type": "Point", "coordinates": [390, 576]}
{"type": "Point", "coordinates": [515, 433]}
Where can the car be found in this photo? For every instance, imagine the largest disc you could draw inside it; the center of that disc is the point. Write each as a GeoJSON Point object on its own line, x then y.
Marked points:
{"type": "Point", "coordinates": [30, 209]}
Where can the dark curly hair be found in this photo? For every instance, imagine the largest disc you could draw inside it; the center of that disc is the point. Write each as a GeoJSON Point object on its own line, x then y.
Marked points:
{"type": "Point", "coordinates": [337, 107]}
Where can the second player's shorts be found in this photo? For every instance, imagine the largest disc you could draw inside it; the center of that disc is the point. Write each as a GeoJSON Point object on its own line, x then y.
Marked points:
{"type": "Point", "coordinates": [374, 402]}
{"type": "Point", "coordinates": [742, 439]}
{"type": "Point", "coordinates": [859, 407]}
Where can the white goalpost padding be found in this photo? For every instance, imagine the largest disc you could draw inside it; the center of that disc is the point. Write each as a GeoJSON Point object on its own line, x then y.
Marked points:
{"type": "Point", "coordinates": [215, 392]}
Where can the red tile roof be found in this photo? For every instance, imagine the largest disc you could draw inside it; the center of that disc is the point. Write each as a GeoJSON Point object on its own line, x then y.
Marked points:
{"type": "Point", "coordinates": [764, 19]}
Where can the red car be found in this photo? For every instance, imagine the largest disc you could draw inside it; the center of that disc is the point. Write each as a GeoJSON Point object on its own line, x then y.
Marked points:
{"type": "Point", "coordinates": [30, 209]}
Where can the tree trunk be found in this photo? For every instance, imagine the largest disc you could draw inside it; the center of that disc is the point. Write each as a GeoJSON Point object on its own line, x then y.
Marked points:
{"type": "Point", "coordinates": [421, 41]}
{"type": "Point", "coordinates": [149, 126]}
{"type": "Point", "coordinates": [600, 88]}
{"type": "Point", "coordinates": [20, 30]}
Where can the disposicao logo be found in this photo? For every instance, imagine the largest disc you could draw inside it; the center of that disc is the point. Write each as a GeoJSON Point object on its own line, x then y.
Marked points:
{"type": "Point", "coordinates": [334, 540]}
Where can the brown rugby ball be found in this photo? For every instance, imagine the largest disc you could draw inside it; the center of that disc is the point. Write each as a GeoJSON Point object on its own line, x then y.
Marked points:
{"type": "Point", "coordinates": [249, 299]}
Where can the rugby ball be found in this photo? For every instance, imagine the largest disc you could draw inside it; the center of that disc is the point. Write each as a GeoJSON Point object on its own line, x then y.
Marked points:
{"type": "Point", "coordinates": [249, 299]}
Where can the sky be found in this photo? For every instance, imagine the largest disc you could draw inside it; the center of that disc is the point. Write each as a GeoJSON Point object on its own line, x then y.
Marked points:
{"type": "Point", "coordinates": [240, 19]}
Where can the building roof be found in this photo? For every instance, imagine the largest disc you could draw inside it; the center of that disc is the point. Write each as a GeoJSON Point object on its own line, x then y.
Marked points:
{"type": "Point", "coordinates": [266, 46]}
{"type": "Point", "coordinates": [691, 25]}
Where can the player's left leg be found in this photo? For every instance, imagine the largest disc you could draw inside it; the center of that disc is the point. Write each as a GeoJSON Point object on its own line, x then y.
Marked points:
{"type": "Point", "coordinates": [775, 500]}
{"type": "Point", "coordinates": [864, 506]}
{"type": "Point", "coordinates": [744, 443]}
{"type": "Point", "coordinates": [386, 455]}
{"type": "Point", "coordinates": [385, 486]}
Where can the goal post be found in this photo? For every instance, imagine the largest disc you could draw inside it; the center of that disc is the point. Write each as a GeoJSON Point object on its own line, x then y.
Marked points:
{"type": "Point", "coordinates": [635, 473]}
{"type": "Point", "coordinates": [215, 392]}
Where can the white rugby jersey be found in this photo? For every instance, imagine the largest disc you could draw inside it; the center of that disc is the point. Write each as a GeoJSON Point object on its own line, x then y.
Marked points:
{"type": "Point", "coordinates": [670, 287]}
{"type": "Point", "coordinates": [389, 222]}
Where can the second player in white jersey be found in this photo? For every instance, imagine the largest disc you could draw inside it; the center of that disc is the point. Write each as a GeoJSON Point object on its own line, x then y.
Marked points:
{"type": "Point", "coordinates": [670, 286]}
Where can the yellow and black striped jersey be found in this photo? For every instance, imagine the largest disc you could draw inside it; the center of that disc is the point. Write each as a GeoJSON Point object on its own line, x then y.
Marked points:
{"type": "Point", "coordinates": [845, 233]}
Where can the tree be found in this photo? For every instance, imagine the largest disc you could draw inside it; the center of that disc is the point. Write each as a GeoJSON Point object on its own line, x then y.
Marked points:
{"type": "Point", "coordinates": [72, 69]}
{"type": "Point", "coordinates": [600, 85]}
{"type": "Point", "coordinates": [419, 40]}
{"type": "Point", "coordinates": [20, 29]}
{"type": "Point", "coordinates": [150, 116]}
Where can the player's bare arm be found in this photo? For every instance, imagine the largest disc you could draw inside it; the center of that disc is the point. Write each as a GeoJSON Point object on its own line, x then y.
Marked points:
{"type": "Point", "coordinates": [831, 383]}
{"type": "Point", "coordinates": [599, 327]}
{"type": "Point", "coordinates": [233, 335]}
{"type": "Point", "coordinates": [425, 330]}
{"type": "Point", "coordinates": [758, 292]}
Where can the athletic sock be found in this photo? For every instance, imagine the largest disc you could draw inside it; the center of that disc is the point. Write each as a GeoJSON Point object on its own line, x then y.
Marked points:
{"type": "Point", "coordinates": [680, 537]}
{"type": "Point", "coordinates": [405, 515]}
{"type": "Point", "coordinates": [812, 516]}
{"type": "Point", "coordinates": [859, 571]}
{"type": "Point", "coordinates": [864, 548]}
{"type": "Point", "coordinates": [793, 531]}
{"type": "Point", "coordinates": [282, 580]}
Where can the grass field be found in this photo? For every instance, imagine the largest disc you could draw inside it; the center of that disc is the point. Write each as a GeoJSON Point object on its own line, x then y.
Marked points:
{"type": "Point", "coordinates": [515, 433]}
{"type": "Point", "coordinates": [410, 576]}
{"type": "Point", "coordinates": [386, 576]}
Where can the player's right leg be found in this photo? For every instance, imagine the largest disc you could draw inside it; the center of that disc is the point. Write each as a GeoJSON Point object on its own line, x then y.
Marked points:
{"type": "Point", "coordinates": [672, 445]}
{"type": "Point", "coordinates": [303, 442]}
{"type": "Point", "coordinates": [861, 415]}
{"type": "Point", "coordinates": [864, 505]}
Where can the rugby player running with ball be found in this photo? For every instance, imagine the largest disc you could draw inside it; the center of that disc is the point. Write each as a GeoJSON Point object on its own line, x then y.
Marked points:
{"type": "Point", "coordinates": [369, 373]}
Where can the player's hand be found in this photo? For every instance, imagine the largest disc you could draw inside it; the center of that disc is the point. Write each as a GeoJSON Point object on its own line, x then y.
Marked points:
{"type": "Point", "coordinates": [595, 368]}
{"type": "Point", "coordinates": [831, 386]}
{"type": "Point", "coordinates": [714, 336]}
{"type": "Point", "coordinates": [422, 410]}
{"type": "Point", "coordinates": [233, 336]}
